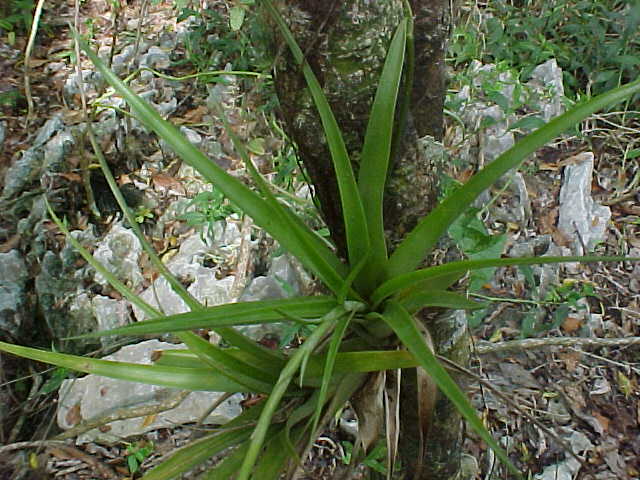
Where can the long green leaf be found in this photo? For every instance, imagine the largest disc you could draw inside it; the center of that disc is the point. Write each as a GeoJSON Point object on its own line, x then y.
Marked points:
{"type": "Point", "coordinates": [412, 280]}
{"type": "Point", "coordinates": [352, 208]}
{"type": "Point", "coordinates": [195, 453]}
{"type": "Point", "coordinates": [230, 335]}
{"type": "Point", "coordinates": [230, 314]}
{"type": "Point", "coordinates": [334, 346]}
{"type": "Point", "coordinates": [236, 371]}
{"type": "Point", "coordinates": [438, 298]}
{"type": "Point", "coordinates": [260, 432]}
{"type": "Point", "coordinates": [187, 359]}
{"type": "Point", "coordinates": [404, 326]}
{"type": "Point", "coordinates": [374, 163]}
{"type": "Point", "coordinates": [275, 457]}
{"type": "Point", "coordinates": [312, 245]}
{"type": "Point", "coordinates": [218, 359]}
{"type": "Point", "coordinates": [345, 362]}
{"type": "Point", "coordinates": [227, 468]}
{"type": "Point", "coordinates": [424, 236]}
{"type": "Point", "coordinates": [204, 379]}
{"type": "Point", "coordinates": [323, 262]}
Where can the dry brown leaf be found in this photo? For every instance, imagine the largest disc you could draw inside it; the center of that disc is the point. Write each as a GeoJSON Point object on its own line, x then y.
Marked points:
{"type": "Point", "coordinates": [369, 409]}
{"type": "Point", "coordinates": [148, 420]}
{"type": "Point", "coordinates": [570, 359]}
{"type": "Point", "coordinates": [392, 412]}
{"type": "Point", "coordinates": [165, 182]}
{"type": "Point", "coordinates": [571, 324]}
{"type": "Point", "coordinates": [547, 221]}
{"type": "Point", "coordinates": [602, 420]}
{"type": "Point", "coordinates": [72, 177]}
{"type": "Point", "coordinates": [74, 415]}
{"type": "Point", "coordinates": [10, 244]}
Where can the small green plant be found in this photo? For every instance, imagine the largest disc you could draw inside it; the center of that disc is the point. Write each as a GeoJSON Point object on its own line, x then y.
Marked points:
{"type": "Point", "coordinates": [371, 298]}
{"type": "Point", "coordinates": [214, 39]}
{"type": "Point", "coordinates": [136, 453]}
{"type": "Point", "coordinates": [16, 17]}
{"type": "Point", "coordinates": [208, 208]}
{"type": "Point", "coordinates": [375, 459]}
{"type": "Point", "coordinates": [143, 213]}
{"type": "Point", "coordinates": [593, 42]}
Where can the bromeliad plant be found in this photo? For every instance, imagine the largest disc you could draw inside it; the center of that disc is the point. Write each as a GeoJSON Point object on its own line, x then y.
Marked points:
{"type": "Point", "coordinates": [370, 308]}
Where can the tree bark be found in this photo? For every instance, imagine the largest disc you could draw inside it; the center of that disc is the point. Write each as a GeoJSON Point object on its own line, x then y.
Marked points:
{"type": "Point", "coordinates": [346, 43]}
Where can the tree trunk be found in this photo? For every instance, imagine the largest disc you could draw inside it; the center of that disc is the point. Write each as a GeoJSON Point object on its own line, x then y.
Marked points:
{"type": "Point", "coordinates": [346, 43]}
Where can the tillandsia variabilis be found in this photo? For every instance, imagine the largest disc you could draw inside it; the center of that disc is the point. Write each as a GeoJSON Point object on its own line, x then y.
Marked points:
{"type": "Point", "coordinates": [371, 297]}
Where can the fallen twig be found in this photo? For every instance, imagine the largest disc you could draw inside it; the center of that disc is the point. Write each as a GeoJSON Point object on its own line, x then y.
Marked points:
{"type": "Point", "coordinates": [485, 348]}
{"type": "Point", "coordinates": [123, 414]}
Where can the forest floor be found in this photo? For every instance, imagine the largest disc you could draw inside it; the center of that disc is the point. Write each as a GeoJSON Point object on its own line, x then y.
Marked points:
{"type": "Point", "coordinates": [583, 396]}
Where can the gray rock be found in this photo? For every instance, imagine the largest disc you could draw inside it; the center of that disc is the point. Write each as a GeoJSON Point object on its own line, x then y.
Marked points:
{"type": "Point", "coordinates": [110, 313]}
{"type": "Point", "coordinates": [546, 82]}
{"type": "Point", "coordinates": [13, 296]}
{"type": "Point", "coordinates": [206, 289]}
{"type": "Point", "coordinates": [122, 59]}
{"type": "Point", "coordinates": [156, 58]}
{"type": "Point", "coordinates": [90, 79]}
{"type": "Point", "coordinates": [580, 218]}
{"type": "Point", "coordinates": [193, 136]}
{"type": "Point", "coordinates": [280, 282]}
{"type": "Point", "coordinates": [119, 252]}
{"type": "Point", "coordinates": [93, 396]}
{"type": "Point", "coordinates": [187, 266]}
{"type": "Point", "coordinates": [22, 172]}
{"type": "Point", "coordinates": [3, 133]}
{"type": "Point", "coordinates": [56, 149]}
{"type": "Point", "coordinates": [48, 130]}
{"type": "Point", "coordinates": [54, 287]}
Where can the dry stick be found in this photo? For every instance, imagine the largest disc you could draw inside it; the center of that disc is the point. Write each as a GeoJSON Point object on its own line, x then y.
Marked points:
{"type": "Point", "coordinates": [487, 384]}
{"type": "Point", "coordinates": [86, 179]}
{"type": "Point", "coordinates": [27, 58]}
{"type": "Point", "coordinates": [623, 197]}
{"type": "Point", "coordinates": [143, 12]}
{"type": "Point", "coordinates": [27, 409]}
{"type": "Point", "coordinates": [125, 413]}
{"type": "Point", "coordinates": [486, 348]}
{"type": "Point", "coordinates": [243, 262]}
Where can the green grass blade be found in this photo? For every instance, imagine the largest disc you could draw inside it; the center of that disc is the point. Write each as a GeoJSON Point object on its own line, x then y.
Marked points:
{"type": "Point", "coordinates": [183, 378]}
{"type": "Point", "coordinates": [412, 280]}
{"type": "Point", "coordinates": [424, 236]}
{"type": "Point", "coordinates": [376, 152]}
{"type": "Point", "coordinates": [187, 359]}
{"type": "Point", "coordinates": [239, 371]}
{"type": "Point", "coordinates": [230, 314]}
{"type": "Point", "coordinates": [407, 331]}
{"type": "Point", "coordinates": [232, 188]}
{"type": "Point", "coordinates": [195, 453]}
{"type": "Point", "coordinates": [260, 432]}
{"type": "Point", "coordinates": [352, 208]}
{"type": "Point", "coordinates": [327, 374]}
